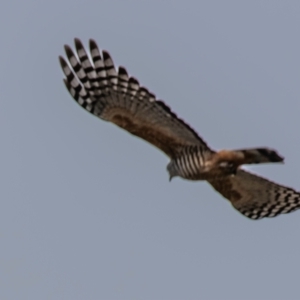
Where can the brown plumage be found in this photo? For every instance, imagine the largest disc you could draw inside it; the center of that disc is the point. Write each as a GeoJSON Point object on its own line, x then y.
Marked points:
{"type": "Point", "coordinates": [114, 96]}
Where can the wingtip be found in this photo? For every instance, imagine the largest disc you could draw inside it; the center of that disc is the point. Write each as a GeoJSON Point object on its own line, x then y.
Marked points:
{"type": "Point", "coordinates": [106, 55]}
{"type": "Point", "coordinates": [68, 51]}
{"type": "Point", "coordinates": [78, 43]}
{"type": "Point", "coordinates": [62, 61]}
{"type": "Point", "coordinates": [93, 44]}
{"type": "Point", "coordinates": [77, 40]}
{"type": "Point", "coordinates": [122, 71]}
{"type": "Point", "coordinates": [64, 65]}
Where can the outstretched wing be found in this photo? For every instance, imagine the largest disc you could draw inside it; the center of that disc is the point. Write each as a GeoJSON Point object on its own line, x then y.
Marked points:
{"type": "Point", "coordinates": [114, 96]}
{"type": "Point", "coordinates": [256, 197]}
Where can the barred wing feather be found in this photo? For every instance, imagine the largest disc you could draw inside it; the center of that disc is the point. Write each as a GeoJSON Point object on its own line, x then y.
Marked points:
{"type": "Point", "coordinates": [256, 197]}
{"type": "Point", "coordinates": [114, 96]}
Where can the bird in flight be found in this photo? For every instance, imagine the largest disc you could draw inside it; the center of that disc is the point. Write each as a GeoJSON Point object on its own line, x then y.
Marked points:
{"type": "Point", "coordinates": [114, 96]}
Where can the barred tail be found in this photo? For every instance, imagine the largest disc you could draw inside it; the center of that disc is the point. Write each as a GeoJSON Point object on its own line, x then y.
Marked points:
{"type": "Point", "coordinates": [260, 155]}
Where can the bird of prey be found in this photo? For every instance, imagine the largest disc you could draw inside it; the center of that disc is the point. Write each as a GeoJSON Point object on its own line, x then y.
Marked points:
{"type": "Point", "coordinates": [114, 96]}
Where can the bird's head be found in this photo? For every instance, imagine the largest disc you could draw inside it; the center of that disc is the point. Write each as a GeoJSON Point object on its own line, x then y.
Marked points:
{"type": "Point", "coordinates": [172, 170]}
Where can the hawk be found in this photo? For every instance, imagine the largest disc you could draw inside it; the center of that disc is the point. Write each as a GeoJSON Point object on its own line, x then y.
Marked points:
{"type": "Point", "coordinates": [114, 96]}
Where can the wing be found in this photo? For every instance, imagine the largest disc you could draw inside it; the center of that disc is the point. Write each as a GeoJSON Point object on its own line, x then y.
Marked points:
{"type": "Point", "coordinates": [256, 197]}
{"type": "Point", "coordinates": [114, 96]}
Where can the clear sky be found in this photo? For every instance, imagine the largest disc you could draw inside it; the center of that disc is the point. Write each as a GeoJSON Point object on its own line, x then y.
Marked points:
{"type": "Point", "coordinates": [87, 211]}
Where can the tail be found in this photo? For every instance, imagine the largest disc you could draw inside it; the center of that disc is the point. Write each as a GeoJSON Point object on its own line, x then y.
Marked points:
{"type": "Point", "coordinates": [259, 155]}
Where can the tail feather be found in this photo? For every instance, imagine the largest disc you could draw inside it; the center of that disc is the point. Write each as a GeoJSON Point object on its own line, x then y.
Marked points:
{"type": "Point", "coordinates": [260, 155]}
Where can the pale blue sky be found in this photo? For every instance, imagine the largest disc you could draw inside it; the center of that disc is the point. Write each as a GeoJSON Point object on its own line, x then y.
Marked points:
{"type": "Point", "coordinates": [87, 211]}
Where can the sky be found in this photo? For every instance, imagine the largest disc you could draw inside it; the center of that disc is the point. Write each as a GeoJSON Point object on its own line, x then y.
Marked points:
{"type": "Point", "coordinates": [87, 210]}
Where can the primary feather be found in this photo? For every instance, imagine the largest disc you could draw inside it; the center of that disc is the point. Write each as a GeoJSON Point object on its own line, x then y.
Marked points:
{"type": "Point", "coordinates": [114, 96]}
